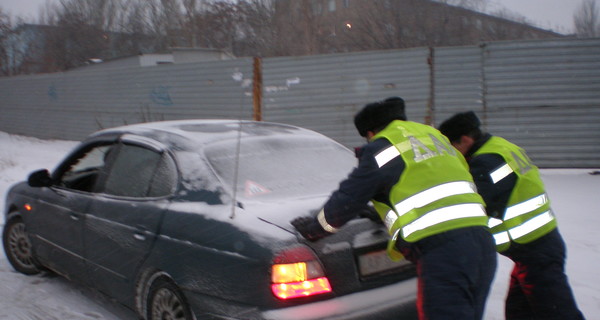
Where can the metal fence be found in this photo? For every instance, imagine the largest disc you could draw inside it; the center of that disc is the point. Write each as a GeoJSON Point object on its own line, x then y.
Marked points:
{"type": "Point", "coordinates": [543, 95]}
{"type": "Point", "coordinates": [324, 92]}
{"type": "Point", "coordinates": [73, 104]}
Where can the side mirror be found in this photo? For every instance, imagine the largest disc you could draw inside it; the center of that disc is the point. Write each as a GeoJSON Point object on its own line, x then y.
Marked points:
{"type": "Point", "coordinates": [40, 178]}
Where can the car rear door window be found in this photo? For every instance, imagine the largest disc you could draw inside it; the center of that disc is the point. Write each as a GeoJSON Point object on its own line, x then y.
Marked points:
{"type": "Point", "coordinates": [140, 172]}
{"type": "Point", "coordinates": [165, 178]}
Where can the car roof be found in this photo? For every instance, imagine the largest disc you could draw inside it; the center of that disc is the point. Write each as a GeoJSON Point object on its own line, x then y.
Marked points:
{"type": "Point", "coordinates": [188, 134]}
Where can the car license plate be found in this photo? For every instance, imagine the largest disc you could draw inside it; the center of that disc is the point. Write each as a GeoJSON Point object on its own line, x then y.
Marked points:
{"type": "Point", "coordinates": [376, 262]}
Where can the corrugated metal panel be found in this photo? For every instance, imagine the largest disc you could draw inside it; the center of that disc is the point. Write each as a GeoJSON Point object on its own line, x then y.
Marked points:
{"type": "Point", "coordinates": [554, 137]}
{"type": "Point", "coordinates": [324, 92]}
{"type": "Point", "coordinates": [542, 95]}
{"type": "Point", "coordinates": [545, 96]}
{"type": "Point", "coordinates": [71, 105]}
{"type": "Point", "coordinates": [458, 82]}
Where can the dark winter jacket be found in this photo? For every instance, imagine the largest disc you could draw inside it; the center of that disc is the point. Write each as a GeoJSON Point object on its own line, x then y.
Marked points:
{"type": "Point", "coordinates": [367, 181]}
{"type": "Point", "coordinates": [495, 195]}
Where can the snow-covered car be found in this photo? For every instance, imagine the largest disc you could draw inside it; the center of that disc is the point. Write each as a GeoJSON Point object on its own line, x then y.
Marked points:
{"type": "Point", "coordinates": [191, 220]}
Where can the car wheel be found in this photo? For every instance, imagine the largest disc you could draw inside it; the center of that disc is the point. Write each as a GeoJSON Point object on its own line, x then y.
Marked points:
{"type": "Point", "coordinates": [17, 247]}
{"type": "Point", "coordinates": [166, 302]}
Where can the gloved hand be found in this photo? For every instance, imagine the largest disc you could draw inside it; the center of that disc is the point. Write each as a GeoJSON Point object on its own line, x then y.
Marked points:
{"type": "Point", "coordinates": [370, 213]}
{"type": "Point", "coordinates": [309, 228]}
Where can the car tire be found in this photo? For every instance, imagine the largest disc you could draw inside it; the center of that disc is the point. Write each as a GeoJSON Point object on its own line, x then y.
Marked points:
{"type": "Point", "coordinates": [166, 302]}
{"type": "Point", "coordinates": [17, 247]}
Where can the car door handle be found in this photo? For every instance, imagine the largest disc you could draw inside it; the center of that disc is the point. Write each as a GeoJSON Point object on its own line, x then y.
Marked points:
{"type": "Point", "coordinates": [139, 236]}
{"type": "Point", "coordinates": [140, 232]}
{"type": "Point", "coordinates": [74, 216]}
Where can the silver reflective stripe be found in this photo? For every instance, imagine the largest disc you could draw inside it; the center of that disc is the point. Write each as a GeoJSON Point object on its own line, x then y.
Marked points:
{"type": "Point", "coordinates": [395, 236]}
{"type": "Point", "coordinates": [430, 195]}
{"type": "Point", "coordinates": [531, 225]}
{"type": "Point", "coordinates": [501, 173]}
{"type": "Point", "coordinates": [494, 222]}
{"type": "Point", "coordinates": [525, 206]}
{"type": "Point", "coordinates": [459, 211]}
{"type": "Point", "coordinates": [324, 224]}
{"type": "Point", "coordinates": [386, 155]}
{"type": "Point", "coordinates": [390, 218]}
{"type": "Point", "coordinates": [501, 238]}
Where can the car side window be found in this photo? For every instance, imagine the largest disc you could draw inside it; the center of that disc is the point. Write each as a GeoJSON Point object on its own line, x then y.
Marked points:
{"type": "Point", "coordinates": [165, 178]}
{"type": "Point", "coordinates": [82, 171]}
{"type": "Point", "coordinates": [140, 172]}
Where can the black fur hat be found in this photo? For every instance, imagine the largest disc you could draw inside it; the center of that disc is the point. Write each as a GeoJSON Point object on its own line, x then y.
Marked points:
{"type": "Point", "coordinates": [460, 124]}
{"type": "Point", "coordinates": [377, 115]}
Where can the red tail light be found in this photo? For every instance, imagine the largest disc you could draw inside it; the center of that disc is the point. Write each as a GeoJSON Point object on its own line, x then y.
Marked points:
{"type": "Point", "coordinates": [297, 273]}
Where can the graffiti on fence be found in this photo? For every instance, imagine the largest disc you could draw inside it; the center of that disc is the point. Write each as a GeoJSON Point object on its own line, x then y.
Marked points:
{"type": "Point", "coordinates": [160, 95]}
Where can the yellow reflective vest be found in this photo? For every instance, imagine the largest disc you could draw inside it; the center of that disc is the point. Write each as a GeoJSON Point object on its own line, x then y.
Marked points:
{"type": "Point", "coordinates": [435, 192]}
{"type": "Point", "coordinates": [527, 216]}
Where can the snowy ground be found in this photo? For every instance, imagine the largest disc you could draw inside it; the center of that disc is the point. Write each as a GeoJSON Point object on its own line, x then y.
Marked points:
{"type": "Point", "coordinates": [573, 193]}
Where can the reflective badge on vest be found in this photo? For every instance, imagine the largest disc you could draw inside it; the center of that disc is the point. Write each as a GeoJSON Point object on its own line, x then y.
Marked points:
{"type": "Point", "coordinates": [422, 152]}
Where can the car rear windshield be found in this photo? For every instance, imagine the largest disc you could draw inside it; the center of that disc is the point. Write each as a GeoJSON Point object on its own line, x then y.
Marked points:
{"type": "Point", "coordinates": [270, 168]}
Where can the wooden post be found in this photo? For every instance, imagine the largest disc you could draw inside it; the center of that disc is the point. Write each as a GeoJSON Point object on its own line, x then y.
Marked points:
{"type": "Point", "coordinates": [257, 90]}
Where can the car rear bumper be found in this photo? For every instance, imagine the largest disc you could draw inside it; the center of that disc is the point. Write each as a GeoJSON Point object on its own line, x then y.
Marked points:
{"type": "Point", "coordinates": [396, 301]}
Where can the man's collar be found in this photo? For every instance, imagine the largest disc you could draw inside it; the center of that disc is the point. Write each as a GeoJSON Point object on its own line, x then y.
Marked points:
{"type": "Point", "coordinates": [478, 144]}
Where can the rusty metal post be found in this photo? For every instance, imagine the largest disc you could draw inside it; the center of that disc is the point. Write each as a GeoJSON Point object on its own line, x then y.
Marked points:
{"type": "Point", "coordinates": [484, 85]}
{"type": "Point", "coordinates": [430, 115]}
{"type": "Point", "coordinates": [257, 89]}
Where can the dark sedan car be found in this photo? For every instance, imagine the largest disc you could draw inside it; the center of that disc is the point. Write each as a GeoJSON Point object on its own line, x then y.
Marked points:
{"type": "Point", "coordinates": [191, 220]}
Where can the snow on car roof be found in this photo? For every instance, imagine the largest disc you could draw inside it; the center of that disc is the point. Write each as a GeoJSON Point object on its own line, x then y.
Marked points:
{"type": "Point", "coordinates": [202, 131]}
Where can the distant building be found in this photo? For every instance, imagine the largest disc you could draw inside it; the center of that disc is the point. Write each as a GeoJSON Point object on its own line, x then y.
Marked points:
{"type": "Point", "coordinates": [291, 28]}
{"type": "Point", "coordinates": [351, 25]}
{"type": "Point", "coordinates": [189, 55]}
{"type": "Point", "coordinates": [176, 56]}
{"type": "Point", "coordinates": [34, 49]}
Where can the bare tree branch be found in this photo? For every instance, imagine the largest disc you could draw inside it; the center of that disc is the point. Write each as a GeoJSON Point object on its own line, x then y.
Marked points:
{"type": "Point", "coordinates": [586, 19]}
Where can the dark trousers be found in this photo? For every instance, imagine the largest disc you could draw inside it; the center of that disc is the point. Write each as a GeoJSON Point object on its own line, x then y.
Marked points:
{"type": "Point", "coordinates": [455, 271]}
{"type": "Point", "coordinates": [539, 288]}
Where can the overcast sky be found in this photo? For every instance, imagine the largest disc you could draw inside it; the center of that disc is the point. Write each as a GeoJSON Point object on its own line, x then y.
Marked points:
{"type": "Point", "coordinates": [556, 15]}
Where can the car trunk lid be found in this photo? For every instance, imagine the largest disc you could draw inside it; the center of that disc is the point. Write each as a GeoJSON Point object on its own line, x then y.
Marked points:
{"type": "Point", "coordinates": [354, 258]}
